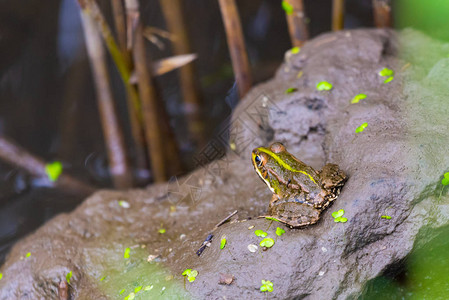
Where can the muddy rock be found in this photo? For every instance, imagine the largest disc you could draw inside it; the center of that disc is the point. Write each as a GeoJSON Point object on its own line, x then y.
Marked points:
{"type": "Point", "coordinates": [394, 165]}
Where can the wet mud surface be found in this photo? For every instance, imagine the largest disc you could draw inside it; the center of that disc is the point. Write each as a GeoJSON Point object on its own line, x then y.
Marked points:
{"type": "Point", "coordinates": [394, 168]}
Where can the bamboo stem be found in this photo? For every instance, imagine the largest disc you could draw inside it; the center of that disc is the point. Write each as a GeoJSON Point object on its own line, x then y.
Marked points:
{"type": "Point", "coordinates": [18, 157]}
{"type": "Point", "coordinates": [236, 45]}
{"type": "Point", "coordinates": [176, 24]}
{"type": "Point", "coordinates": [338, 14]}
{"type": "Point", "coordinates": [297, 26]}
{"type": "Point", "coordinates": [118, 164]}
{"type": "Point", "coordinates": [382, 13]}
{"type": "Point", "coordinates": [147, 93]}
{"type": "Point", "coordinates": [134, 110]}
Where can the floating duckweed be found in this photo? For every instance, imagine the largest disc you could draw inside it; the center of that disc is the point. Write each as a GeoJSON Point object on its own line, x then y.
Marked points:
{"type": "Point", "coordinates": [267, 242]}
{"type": "Point", "coordinates": [361, 127]}
{"type": "Point", "coordinates": [260, 233]}
{"type": "Point", "coordinates": [53, 170]}
{"type": "Point", "coordinates": [279, 231]}
{"type": "Point", "coordinates": [126, 254]}
{"type": "Point", "coordinates": [357, 98]}
{"type": "Point", "coordinates": [68, 276]}
{"type": "Point", "coordinates": [389, 79]}
{"type": "Point", "coordinates": [338, 216]}
{"type": "Point", "coordinates": [386, 72]}
{"type": "Point", "coordinates": [386, 217]}
{"type": "Point", "coordinates": [121, 291]}
{"type": "Point", "coordinates": [28, 254]}
{"type": "Point", "coordinates": [124, 204]}
{"type": "Point", "coordinates": [267, 286]}
{"type": "Point", "coordinates": [324, 86]}
{"type": "Point", "coordinates": [190, 274]}
{"type": "Point", "coordinates": [290, 90]}
{"type": "Point", "coordinates": [137, 289]}
{"type": "Point", "coordinates": [287, 7]}
{"type": "Point", "coordinates": [295, 50]}
{"type": "Point", "coordinates": [223, 243]}
{"type": "Point", "coordinates": [445, 180]}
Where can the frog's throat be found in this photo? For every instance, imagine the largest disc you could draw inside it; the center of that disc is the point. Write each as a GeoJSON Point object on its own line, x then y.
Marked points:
{"type": "Point", "coordinates": [283, 164]}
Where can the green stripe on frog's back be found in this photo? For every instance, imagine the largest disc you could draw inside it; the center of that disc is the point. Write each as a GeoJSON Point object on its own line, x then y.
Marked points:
{"type": "Point", "coordinates": [283, 164]}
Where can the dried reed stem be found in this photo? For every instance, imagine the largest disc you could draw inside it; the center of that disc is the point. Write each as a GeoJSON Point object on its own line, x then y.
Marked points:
{"type": "Point", "coordinates": [20, 158]}
{"type": "Point", "coordinates": [297, 26]}
{"type": "Point", "coordinates": [382, 13]}
{"type": "Point", "coordinates": [120, 26]}
{"type": "Point", "coordinates": [236, 45]}
{"type": "Point", "coordinates": [118, 164]}
{"type": "Point", "coordinates": [338, 14]}
{"type": "Point", "coordinates": [176, 24]}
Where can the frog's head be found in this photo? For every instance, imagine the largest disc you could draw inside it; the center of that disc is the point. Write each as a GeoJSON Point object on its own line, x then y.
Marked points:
{"type": "Point", "coordinates": [269, 165]}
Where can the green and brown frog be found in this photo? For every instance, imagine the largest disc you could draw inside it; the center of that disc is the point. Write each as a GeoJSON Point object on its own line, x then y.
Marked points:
{"type": "Point", "coordinates": [300, 193]}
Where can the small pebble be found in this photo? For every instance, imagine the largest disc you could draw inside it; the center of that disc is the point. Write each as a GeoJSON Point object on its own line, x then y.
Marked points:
{"type": "Point", "coordinates": [321, 273]}
{"type": "Point", "coordinates": [323, 249]}
{"type": "Point", "coordinates": [252, 248]}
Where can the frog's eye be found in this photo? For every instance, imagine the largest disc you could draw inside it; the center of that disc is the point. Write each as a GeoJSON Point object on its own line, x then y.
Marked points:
{"type": "Point", "coordinates": [258, 160]}
{"type": "Point", "coordinates": [277, 147]}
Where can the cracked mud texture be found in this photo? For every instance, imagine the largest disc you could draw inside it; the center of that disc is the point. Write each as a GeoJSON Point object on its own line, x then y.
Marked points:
{"type": "Point", "coordinates": [394, 166]}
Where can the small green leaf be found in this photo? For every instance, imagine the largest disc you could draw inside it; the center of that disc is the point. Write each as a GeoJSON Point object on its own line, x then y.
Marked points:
{"type": "Point", "coordinates": [339, 213]}
{"type": "Point", "coordinates": [68, 276]}
{"type": "Point", "coordinates": [194, 273]}
{"type": "Point", "coordinates": [386, 217]}
{"type": "Point", "coordinates": [445, 181]}
{"type": "Point", "coordinates": [290, 90]}
{"type": "Point", "coordinates": [126, 254]}
{"type": "Point", "coordinates": [357, 98]}
{"type": "Point", "coordinates": [386, 72]}
{"type": "Point", "coordinates": [102, 278]}
{"type": "Point", "coordinates": [267, 242]}
{"type": "Point", "coordinates": [267, 286]}
{"type": "Point", "coordinates": [446, 175]}
{"type": "Point", "coordinates": [137, 289]}
{"type": "Point", "coordinates": [190, 274]}
{"type": "Point", "coordinates": [186, 272]}
{"type": "Point", "coordinates": [361, 127]}
{"type": "Point", "coordinates": [1, 276]}
{"type": "Point", "coordinates": [272, 219]}
{"type": "Point", "coordinates": [295, 50]}
{"type": "Point", "coordinates": [223, 243]}
{"type": "Point", "coordinates": [53, 170]}
{"type": "Point", "coordinates": [121, 291]}
{"type": "Point", "coordinates": [287, 7]}
{"type": "Point", "coordinates": [28, 254]}
{"type": "Point", "coordinates": [260, 233]}
{"type": "Point", "coordinates": [148, 288]}
{"type": "Point", "coordinates": [131, 296]}
{"type": "Point", "coordinates": [389, 79]}
{"type": "Point", "coordinates": [279, 231]}
{"type": "Point", "coordinates": [162, 231]}
{"type": "Point", "coordinates": [324, 86]}
{"type": "Point", "coordinates": [340, 219]}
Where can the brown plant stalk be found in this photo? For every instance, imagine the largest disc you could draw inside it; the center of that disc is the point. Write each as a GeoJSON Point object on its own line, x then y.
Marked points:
{"type": "Point", "coordinates": [338, 14]}
{"type": "Point", "coordinates": [382, 13]}
{"type": "Point", "coordinates": [297, 25]}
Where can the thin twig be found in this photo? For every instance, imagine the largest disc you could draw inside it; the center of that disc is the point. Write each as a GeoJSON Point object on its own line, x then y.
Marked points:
{"type": "Point", "coordinates": [382, 13]}
{"type": "Point", "coordinates": [176, 24]}
{"type": "Point", "coordinates": [236, 45]}
{"type": "Point", "coordinates": [91, 8]}
{"type": "Point", "coordinates": [18, 157]}
{"type": "Point", "coordinates": [338, 14]}
{"type": "Point", "coordinates": [297, 25]}
{"type": "Point", "coordinates": [120, 28]}
{"type": "Point", "coordinates": [148, 95]}
{"type": "Point", "coordinates": [225, 219]}
{"type": "Point", "coordinates": [118, 163]}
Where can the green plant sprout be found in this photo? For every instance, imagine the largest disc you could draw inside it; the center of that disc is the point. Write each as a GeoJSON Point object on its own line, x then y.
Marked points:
{"type": "Point", "coordinates": [126, 254]}
{"type": "Point", "coordinates": [137, 289]}
{"type": "Point", "coordinates": [68, 277]}
{"type": "Point", "coordinates": [295, 50]}
{"type": "Point", "coordinates": [444, 182]}
{"type": "Point", "coordinates": [28, 254]}
{"type": "Point", "coordinates": [190, 274]}
{"type": "Point", "coordinates": [323, 86]}
{"type": "Point", "coordinates": [389, 79]}
{"type": "Point", "coordinates": [357, 98]}
{"type": "Point", "coordinates": [386, 72]}
{"type": "Point", "coordinates": [223, 243]}
{"type": "Point", "coordinates": [260, 233]}
{"type": "Point", "coordinates": [290, 90]}
{"type": "Point", "coordinates": [130, 296]}
{"type": "Point", "coordinates": [267, 286]}
{"type": "Point", "coordinates": [53, 170]}
{"type": "Point", "coordinates": [361, 127]}
{"type": "Point", "coordinates": [287, 7]}
{"type": "Point", "coordinates": [279, 231]}
{"type": "Point", "coordinates": [338, 216]}
{"type": "Point", "coordinates": [162, 230]}
{"type": "Point", "coordinates": [267, 242]}
{"type": "Point", "coordinates": [386, 217]}
{"type": "Point", "coordinates": [102, 278]}
{"type": "Point", "coordinates": [121, 291]}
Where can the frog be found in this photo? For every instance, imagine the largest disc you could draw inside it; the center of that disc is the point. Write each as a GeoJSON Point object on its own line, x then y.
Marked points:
{"type": "Point", "coordinates": [300, 193]}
